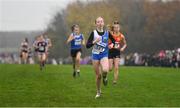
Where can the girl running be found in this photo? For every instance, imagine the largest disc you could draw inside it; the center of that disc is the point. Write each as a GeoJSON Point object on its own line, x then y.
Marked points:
{"type": "Point", "coordinates": [77, 40]}
{"type": "Point", "coordinates": [99, 41]}
{"type": "Point", "coordinates": [42, 48]}
{"type": "Point", "coordinates": [114, 52]}
{"type": "Point", "coordinates": [24, 51]}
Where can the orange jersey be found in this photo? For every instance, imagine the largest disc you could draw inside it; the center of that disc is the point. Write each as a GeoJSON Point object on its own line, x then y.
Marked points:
{"type": "Point", "coordinates": [119, 40]}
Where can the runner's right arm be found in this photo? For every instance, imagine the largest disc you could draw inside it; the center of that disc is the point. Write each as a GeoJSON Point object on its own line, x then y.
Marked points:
{"type": "Point", "coordinates": [91, 41]}
{"type": "Point", "coordinates": [70, 38]}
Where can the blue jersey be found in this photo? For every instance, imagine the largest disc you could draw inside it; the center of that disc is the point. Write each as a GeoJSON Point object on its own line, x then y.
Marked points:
{"type": "Point", "coordinates": [76, 42]}
{"type": "Point", "coordinates": [101, 47]}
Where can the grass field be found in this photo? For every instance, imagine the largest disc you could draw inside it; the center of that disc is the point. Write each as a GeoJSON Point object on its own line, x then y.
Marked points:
{"type": "Point", "coordinates": [26, 85]}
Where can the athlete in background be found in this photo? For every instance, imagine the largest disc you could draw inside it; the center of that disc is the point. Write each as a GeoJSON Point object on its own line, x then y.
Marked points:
{"type": "Point", "coordinates": [114, 52]}
{"type": "Point", "coordinates": [77, 40]}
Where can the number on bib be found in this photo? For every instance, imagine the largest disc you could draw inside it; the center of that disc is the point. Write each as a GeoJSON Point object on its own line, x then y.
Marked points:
{"type": "Point", "coordinates": [41, 48]}
{"type": "Point", "coordinates": [78, 42]}
{"type": "Point", "coordinates": [116, 45]}
{"type": "Point", "coordinates": [98, 49]}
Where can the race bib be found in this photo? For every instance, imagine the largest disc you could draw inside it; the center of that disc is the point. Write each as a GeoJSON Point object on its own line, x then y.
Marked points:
{"type": "Point", "coordinates": [41, 48]}
{"type": "Point", "coordinates": [24, 49]}
{"type": "Point", "coordinates": [98, 49]}
{"type": "Point", "coordinates": [77, 42]}
{"type": "Point", "coordinates": [116, 45]}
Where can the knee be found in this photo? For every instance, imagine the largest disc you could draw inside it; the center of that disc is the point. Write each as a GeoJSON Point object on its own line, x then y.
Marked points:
{"type": "Point", "coordinates": [43, 58]}
{"type": "Point", "coordinates": [116, 68]}
{"type": "Point", "coordinates": [78, 59]}
{"type": "Point", "coordinates": [105, 69]}
{"type": "Point", "coordinates": [110, 68]}
{"type": "Point", "coordinates": [98, 76]}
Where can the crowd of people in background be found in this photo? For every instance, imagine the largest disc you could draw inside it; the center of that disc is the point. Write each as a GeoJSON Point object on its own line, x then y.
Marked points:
{"type": "Point", "coordinates": [164, 58]}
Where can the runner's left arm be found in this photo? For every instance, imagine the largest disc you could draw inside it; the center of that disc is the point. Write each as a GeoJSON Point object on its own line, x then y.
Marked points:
{"type": "Point", "coordinates": [83, 40]}
{"type": "Point", "coordinates": [50, 43]}
{"type": "Point", "coordinates": [124, 44]}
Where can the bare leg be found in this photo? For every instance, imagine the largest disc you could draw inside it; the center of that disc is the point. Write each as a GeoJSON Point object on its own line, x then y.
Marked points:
{"type": "Point", "coordinates": [43, 59]}
{"type": "Point", "coordinates": [74, 66]}
{"type": "Point", "coordinates": [24, 57]}
{"type": "Point", "coordinates": [78, 58]}
{"type": "Point", "coordinates": [116, 69]}
{"type": "Point", "coordinates": [96, 66]}
{"type": "Point", "coordinates": [105, 69]}
{"type": "Point", "coordinates": [110, 64]}
{"type": "Point", "coordinates": [40, 61]}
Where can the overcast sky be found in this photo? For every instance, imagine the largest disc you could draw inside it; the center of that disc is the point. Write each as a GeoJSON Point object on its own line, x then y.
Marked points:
{"type": "Point", "coordinates": [28, 15]}
{"type": "Point", "coordinates": [17, 15]}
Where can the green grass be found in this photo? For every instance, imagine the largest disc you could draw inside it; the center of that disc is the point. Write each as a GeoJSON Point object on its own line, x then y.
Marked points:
{"type": "Point", "coordinates": [26, 85]}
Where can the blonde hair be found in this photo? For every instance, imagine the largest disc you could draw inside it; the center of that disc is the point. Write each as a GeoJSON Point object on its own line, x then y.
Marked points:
{"type": "Point", "coordinates": [98, 18]}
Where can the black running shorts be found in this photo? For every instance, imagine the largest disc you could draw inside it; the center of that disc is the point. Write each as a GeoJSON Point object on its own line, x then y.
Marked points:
{"type": "Point", "coordinates": [74, 52]}
{"type": "Point", "coordinates": [114, 53]}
